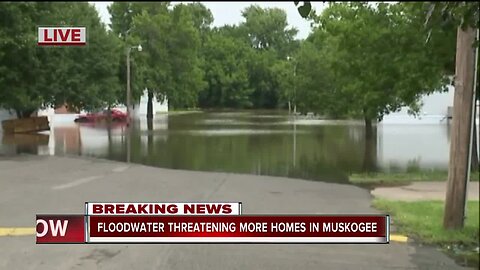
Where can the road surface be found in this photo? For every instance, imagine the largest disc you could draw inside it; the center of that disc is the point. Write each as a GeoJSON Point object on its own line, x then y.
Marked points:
{"type": "Point", "coordinates": [61, 185]}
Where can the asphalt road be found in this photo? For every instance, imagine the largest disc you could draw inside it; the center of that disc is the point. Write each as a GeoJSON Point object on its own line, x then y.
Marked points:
{"type": "Point", "coordinates": [33, 185]}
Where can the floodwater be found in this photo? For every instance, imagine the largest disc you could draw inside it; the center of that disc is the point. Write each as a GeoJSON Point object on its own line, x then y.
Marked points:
{"type": "Point", "coordinates": [251, 142]}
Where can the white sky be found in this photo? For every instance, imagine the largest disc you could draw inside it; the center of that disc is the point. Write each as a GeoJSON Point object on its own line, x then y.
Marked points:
{"type": "Point", "coordinates": [230, 13]}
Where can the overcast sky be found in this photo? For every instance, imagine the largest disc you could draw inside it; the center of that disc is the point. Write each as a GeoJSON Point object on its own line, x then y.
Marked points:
{"type": "Point", "coordinates": [230, 13]}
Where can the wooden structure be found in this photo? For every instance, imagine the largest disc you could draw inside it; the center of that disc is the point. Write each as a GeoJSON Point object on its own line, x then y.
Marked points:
{"type": "Point", "coordinates": [25, 125]}
{"type": "Point", "coordinates": [461, 130]}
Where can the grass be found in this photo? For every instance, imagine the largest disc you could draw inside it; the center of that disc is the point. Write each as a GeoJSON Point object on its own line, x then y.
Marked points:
{"type": "Point", "coordinates": [423, 221]}
{"type": "Point", "coordinates": [403, 178]}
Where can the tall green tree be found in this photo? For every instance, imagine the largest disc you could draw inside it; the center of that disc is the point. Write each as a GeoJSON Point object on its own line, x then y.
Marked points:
{"type": "Point", "coordinates": [169, 65]}
{"type": "Point", "coordinates": [186, 63]}
{"type": "Point", "coordinates": [268, 33]}
{"type": "Point", "coordinates": [268, 29]}
{"type": "Point", "coordinates": [226, 73]}
{"type": "Point", "coordinates": [379, 60]}
{"type": "Point", "coordinates": [36, 77]}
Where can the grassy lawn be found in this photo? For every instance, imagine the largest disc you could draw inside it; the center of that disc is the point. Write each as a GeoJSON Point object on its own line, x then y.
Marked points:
{"type": "Point", "coordinates": [392, 179]}
{"type": "Point", "coordinates": [423, 221]}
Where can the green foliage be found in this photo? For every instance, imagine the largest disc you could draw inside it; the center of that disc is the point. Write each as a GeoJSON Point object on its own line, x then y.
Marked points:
{"type": "Point", "coordinates": [459, 14]}
{"type": "Point", "coordinates": [273, 41]}
{"type": "Point", "coordinates": [284, 71]}
{"type": "Point", "coordinates": [226, 73]}
{"type": "Point", "coordinates": [169, 65]}
{"type": "Point", "coordinates": [361, 60]}
{"type": "Point", "coordinates": [243, 64]}
{"type": "Point", "coordinates": [34, 77]}
{"type": "Point", "coordinates": [268, 29]}
{"type": "Point", "coordinates": [375, 60]}
{"type": "Point", "coordinates": [315, 89]}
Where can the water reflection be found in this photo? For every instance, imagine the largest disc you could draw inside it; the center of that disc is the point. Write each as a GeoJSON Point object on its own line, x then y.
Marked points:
{"type": "Point", "coordinates": [25, 143]}
{"type": "Point", "coordinates": [265, 143]}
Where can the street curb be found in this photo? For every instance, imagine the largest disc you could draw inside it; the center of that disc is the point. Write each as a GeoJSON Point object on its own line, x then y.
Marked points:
{"type": "Point", "coordinates": [20, 231]}
{"type": "Point", "coordinates": [398, 238]}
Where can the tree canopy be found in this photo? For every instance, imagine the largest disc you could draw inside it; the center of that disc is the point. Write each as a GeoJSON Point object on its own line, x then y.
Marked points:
{"type": "Point", "coordinates": [361, 60]}
{"type": "Point", "coordinates": [377, 58]}
{"type": "Point", "coordinates": [34, 77]}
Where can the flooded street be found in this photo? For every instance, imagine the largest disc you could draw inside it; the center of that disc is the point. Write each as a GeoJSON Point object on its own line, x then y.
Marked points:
{"type": "Point", "coordinates": [253, 142]}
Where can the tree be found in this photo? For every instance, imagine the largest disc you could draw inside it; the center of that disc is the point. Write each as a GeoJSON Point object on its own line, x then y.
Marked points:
{"type": "Point", "coordinates": [36, 77]}
{"type": "Point", "coordinates": [20, 87]}
{"type": "Point", "coordinates": [226, 73]}
{"type": "Point", "coordinates": [267, 32]}
{"type": "Point", "coordinates": [461, 14]}
{"type": "Point", "coordinates": [88, 75]}
{"type": "Point", "coordinates": [285, 76]}
{"type": "Point", "coordinates": [170, 36]}
{"type": "Point", "coordinates": [122, 16]}
{"type": "Point", "coordinates": [315, 81]}
{"type": "Point", "coordinates": [185, 52]}
{"type": "Point", "coordinates": [378, 59]}
{"type": "Point", "coordinates": [268, 29]}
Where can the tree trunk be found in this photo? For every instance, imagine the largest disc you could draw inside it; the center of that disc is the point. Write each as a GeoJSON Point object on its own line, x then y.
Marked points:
{"type": "Point", "coordinates": [461, 128]}
{"type": "Point", "coordinates": [368, 129]}
{"type": "Point", "coordinates": [370, 153]}
{"type": "Point", "coordinates": [24, 113]}
{"type": "Point", "coordinates": [110, 144]}
{"type": "Point", "coordinates": [150, 105]}
{"type": "Point", "coordinates": [150, 136]}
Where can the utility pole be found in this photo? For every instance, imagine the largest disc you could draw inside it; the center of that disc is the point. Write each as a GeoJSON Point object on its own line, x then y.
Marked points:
{"type": "Point", "coordinates": [458, 171]}
{"type": "Point", "coordinates": [295, 87]}
{"type": "Point", "coordinates": [474, 164]}
{"type": "Point", "coordinates": [129, 94]}
{"type": "Point", "coordinates": [128, 86]}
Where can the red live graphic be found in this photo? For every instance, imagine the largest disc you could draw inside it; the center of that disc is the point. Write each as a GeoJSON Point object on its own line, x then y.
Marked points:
{"type": "Point", "coordinates": [60, 229]}
{"type": "Point", "coordinates": [62, 35]}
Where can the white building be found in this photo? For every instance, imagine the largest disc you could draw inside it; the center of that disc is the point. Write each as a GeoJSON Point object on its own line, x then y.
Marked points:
{"type": "Point", "coordinates": [139, 109]}
{"type": "Point", "coordinates": [434, 110]}
{"type": "Point", "coordinates": [423, 140]}
{"type": "Point", "coordinates": [68, 137]}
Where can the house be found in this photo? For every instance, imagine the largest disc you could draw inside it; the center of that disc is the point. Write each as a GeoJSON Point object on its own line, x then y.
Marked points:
{"type": "Point", "coordinates": [65, 114]}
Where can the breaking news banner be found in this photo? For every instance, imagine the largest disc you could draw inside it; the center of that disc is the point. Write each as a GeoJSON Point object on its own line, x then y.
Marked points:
{"type": "Point", "coordinates": [198, 208]}
{"type": "Point", "coordinates": [105, 223]}
{"type": "Point", "coordinates": [237, 229]}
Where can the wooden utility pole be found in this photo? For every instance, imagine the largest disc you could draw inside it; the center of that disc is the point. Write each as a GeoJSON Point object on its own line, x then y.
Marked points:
{"type": "Point", "coordinates": [458, 170]}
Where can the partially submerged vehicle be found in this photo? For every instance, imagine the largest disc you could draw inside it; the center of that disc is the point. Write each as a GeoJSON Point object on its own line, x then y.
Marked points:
{"type": "Point", "coordinates": [116, 116]}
